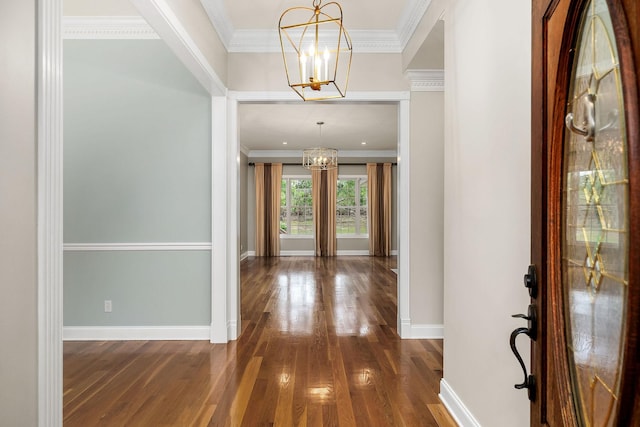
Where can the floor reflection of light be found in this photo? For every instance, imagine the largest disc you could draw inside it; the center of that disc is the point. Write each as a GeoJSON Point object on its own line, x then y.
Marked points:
{"type": "Point", "coordinates": [295, 303]}
{"type": "Point", "coordinates": [320, 394]}
{"type": "Point", "coordinates": [364, 377]}
{"type": "Point", "coordinates": [284, 378]}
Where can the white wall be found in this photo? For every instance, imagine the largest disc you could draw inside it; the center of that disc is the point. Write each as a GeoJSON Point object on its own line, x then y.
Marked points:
{"type": "Point", "coordinates": [99, 8]}
{"type": "Point", "coordinates": [486, 204]}
{"type": "Point", "coordinates": [195, 19]}
{"type": "Point", "coordinates": [425, 203]}
{"type": "Point", "coordinates": [264, 72]}
{"type": "Point", "coordinates": [18, 305]}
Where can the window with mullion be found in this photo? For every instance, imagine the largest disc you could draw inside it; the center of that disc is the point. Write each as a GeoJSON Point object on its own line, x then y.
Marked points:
{"type": "Point", "coordinates": [351, 207]}
{"type": "Point", "coordinates": [296, 214]}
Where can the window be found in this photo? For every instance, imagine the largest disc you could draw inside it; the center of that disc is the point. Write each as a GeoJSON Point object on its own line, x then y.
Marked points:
{"type": "Point", "coordinates": [296, 214]}
{"type": "Point", "coordinates": [351, 207]}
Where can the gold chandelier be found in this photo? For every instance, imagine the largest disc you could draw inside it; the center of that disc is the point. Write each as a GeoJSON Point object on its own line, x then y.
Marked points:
{"type": "Point", "coordinates": [316, 50]}
{"type": "Point", "coordinates": [320, 158]}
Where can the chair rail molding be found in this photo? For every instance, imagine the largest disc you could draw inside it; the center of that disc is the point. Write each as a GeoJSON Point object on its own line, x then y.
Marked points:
{"type": "Point", "coordinates": [173, 246]}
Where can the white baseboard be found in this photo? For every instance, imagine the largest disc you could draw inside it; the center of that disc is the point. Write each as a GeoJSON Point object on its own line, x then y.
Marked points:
{"type": "Point", "coordinates": [244, 256]}
{"type": "Point", "coordinates": [353, 252]}
{"type": "Point", "coordinates": [394, 252]}
{"type": "Point", "coordinates": [427, 332]}
{"type": "Point", "coordinates": [405, 329]}
{"type": "Point", "coordinates": [297, 253]}
{"type": "Point", "coordinates": [135, 333]}
{"type": "Point", "coordinates": [232, 330]}
{"type": "Point", "coordinates": [456, 407]}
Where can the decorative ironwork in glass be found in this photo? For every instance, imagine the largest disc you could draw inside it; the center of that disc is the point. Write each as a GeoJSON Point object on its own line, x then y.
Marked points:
{"type": "Point", "coordinates": [595, 231]}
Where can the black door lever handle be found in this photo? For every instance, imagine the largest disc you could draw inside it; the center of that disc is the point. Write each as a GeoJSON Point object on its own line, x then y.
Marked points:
{"type": "Point", "coordinates": [532, 319]}
{"type": "Point", "coordinates": [529, 380]}
{"type": "Point", "coordinates": [531, 331]}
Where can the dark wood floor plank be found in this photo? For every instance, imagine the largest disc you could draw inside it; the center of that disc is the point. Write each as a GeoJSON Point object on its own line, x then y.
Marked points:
{"type": "Point", "coordinates": [318, 348]}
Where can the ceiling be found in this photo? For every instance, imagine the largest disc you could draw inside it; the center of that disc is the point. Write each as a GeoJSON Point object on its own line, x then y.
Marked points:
{"type": "Point", "coordinates": [347, 125]}
{"type": "Point", "coordinates": [358, 14]}
{"type": "Point", "coordinates": [374, 26]}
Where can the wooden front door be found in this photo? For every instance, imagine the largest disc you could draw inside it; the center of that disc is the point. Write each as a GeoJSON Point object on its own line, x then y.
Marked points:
{"type": "Point", "coordinates": [585, 214]}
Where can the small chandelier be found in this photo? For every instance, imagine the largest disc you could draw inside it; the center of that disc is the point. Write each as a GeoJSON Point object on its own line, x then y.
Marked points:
{"type": "Point", "coordinates": [320, 158]}
{"type": "Point", "coordinates": [316, 50]}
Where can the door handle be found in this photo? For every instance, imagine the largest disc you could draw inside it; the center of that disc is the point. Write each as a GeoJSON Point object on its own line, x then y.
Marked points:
{"type": "Point", "coordinates": [531, 331]}
{"type": "Point", "coordinates": [589, 123]}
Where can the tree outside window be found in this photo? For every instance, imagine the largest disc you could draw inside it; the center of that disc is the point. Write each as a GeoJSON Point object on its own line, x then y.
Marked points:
{"type": "Point", "coordinates": [351, 207]}
{"type": "Point", "coordinates": [296, 214]}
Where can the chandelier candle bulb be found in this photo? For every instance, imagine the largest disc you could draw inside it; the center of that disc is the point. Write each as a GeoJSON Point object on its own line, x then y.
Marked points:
{"type": "Point", "coordinates": [326, 64]}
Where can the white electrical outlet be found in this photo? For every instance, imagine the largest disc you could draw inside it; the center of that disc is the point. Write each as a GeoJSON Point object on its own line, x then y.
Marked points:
{"type": "Point", "coordinates": [107, 306]}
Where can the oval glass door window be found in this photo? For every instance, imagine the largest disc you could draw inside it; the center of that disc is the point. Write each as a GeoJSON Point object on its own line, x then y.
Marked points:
{"type": "Point", "coordinates": [595, 220]}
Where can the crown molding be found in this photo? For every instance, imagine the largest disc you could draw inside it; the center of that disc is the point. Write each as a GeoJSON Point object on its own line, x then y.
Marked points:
{"type": "Point", "coordinates": [220, 19]}
{"type": "Point", "coordinates": [268, 41]}
{"type": "Point", "coordinates": [244, 150]}
{"type": "Point", "coordinates": [107, 27]}
{"type": "Point", "coordinates": [167, 24]}
{"type": "Point", "coordinates": [410, 18]}
{"type": "Point", "coordinates": [342, 153]}
{"type": "Point", "coordinates": [426, 80]}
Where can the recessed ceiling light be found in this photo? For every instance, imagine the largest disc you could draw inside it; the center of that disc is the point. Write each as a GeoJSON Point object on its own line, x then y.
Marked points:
{"type": "Point", "coordinates": [284, 142]}
{"type": "Point", "coordinates": [363, 143]}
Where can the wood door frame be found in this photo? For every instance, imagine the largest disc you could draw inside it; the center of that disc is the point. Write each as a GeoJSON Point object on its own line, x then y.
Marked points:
{"type": "Point", "coordinates": [546, 213]}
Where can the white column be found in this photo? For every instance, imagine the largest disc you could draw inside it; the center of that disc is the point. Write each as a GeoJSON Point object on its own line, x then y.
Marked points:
{"type": "Point", "coordinates": [404, 301]}
{"type": "Point", "coordinates": [233, 221]}
{"type": "Point", "coordinates": [50, 213]}
{"type": "Point", "coordinates": [219, 216]}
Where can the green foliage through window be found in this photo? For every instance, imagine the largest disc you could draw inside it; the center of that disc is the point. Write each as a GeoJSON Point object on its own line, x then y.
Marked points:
{"type": "Point", "coordinates": [351, 207]}
{"type": "Point", "coordinates": [296, 213]}
{"type": "Point", "coordinates": [296, 216]}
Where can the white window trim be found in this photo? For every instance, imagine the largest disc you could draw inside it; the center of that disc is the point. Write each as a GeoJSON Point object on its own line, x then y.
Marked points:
{"type": "Point", "coordinates": [287, 194]}
{"type": "Point", "coordinates": [355, 235]}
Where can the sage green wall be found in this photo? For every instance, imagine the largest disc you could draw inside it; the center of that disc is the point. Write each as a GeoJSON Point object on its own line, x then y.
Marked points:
{"type": "Point", "coordinates": [18, 250]}
{"type": "Point", "coordinates": [148, 288]}
{"type": "Point", "coordinates": [137, 170]}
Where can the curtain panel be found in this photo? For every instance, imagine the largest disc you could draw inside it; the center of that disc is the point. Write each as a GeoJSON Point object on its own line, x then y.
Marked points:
{"type": "Point", "coordinates": [324, 184]}
{"type": "Point", "coordinates": [268, 181]}
{"type": "Point", "coordinates": [379, 189]}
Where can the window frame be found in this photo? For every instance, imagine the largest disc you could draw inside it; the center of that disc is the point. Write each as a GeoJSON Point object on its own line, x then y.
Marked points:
{"type": "Point", "coordinates": [357, 235]}
{"type": "Point", "coordinates": [287, 235]}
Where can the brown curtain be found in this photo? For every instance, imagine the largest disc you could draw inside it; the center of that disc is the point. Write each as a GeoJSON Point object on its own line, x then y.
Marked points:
{"type": "Point", "coordinates": [323, 190]}
{"type": "Point", "coordinates": [379, 189]}
{"type": "Point", "coordinates": [268, 177]}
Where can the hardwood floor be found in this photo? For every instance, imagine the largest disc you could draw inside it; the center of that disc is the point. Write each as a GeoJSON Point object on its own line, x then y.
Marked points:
{"type": "Point", "coordinates": [318, 348]}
